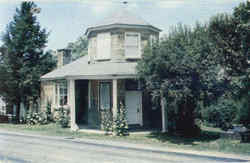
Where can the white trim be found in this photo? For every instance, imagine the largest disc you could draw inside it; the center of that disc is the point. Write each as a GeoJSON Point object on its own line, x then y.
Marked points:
{"type": "Point", "coordinates": [115, 97]}
{"type": "Point", "coordinates": [141, 110]}
{"type": "Point", "coordinates": [126, 26]}
{"type": "Point", "coordinates": [89, 93]}
{"type": "Point", "coordinates": [93, 77]}
{"type": "Point", "coordinates": [73, 124]}
{"type": "Point", "coordinates": [139, 45]}
{"type": "Point", "coordinates": [103, 77]}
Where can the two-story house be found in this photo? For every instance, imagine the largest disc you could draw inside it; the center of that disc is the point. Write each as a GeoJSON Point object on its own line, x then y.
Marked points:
{"type": "Point", "coordinates": [106, 77]}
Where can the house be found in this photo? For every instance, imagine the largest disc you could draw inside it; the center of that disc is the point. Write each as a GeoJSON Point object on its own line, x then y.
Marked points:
{"type": "Point", "coordinates": [2, 107]}
{"type": "Point", "coordinates": [106, 77]}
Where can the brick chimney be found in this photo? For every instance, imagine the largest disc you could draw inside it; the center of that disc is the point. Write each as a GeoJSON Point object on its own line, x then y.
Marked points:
{"type": "Point", "coordinates": [63, 57]}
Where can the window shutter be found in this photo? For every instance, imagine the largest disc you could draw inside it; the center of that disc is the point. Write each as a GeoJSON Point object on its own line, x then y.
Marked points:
{"type": "Point", "coordinates": [103, 46]}
{"type": "Point", "coordinates": [132, 45]}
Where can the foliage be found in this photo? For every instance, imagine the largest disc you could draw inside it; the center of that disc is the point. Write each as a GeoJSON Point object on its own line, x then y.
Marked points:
{"type": "Point", "coordinates": [231, 35]}
{"type": "Point", "coordinates": [79, 48]}
{"type": "Point", "coordinates": [221, 114]}
{"type": "Point", "coordinates": [117, 125]}
{"type": "Point", "coordinates": [182, 68]}
{"type": "Point", "coordinates": [243, 115]}
{"type": "Point", "coordinates": [107, 121]}
{"type": "Point", "coordinates": [63, 116]}
{"type": "Point", "coordinates": [40, 118]}
{"type": "Point", "coordinates": [120, 124]}
{"type": "Point", "coordinates": [49, 113]}
{"type": "Point", "coordinates": [23, 61]}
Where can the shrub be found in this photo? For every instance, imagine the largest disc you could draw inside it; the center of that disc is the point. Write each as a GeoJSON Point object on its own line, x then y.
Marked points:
{"type": "Point", "coordinates": [37, 118]}
{"type": "Point", "coordinates": [117, 125]}
{"type": "Point", "coordinates": [107, 121]}
{"type": "Point", "coordinates": [63, 116]}
{"type": "Point", "coordinates": [243, 115]}
{"type": "Point", "coordinates": [120, 124]}
{"type": "Point", "coordinates": [49, 113]}
{"type": "Point", "coordinates": [221, 114]}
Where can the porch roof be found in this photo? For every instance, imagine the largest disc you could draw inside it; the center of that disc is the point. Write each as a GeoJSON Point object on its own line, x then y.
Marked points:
{"type": "Point", "coordinates": [81, 69]}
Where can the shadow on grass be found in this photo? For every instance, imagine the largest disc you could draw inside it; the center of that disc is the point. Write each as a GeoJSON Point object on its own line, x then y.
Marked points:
{"type": "Point", "coordinates": [204, 137]}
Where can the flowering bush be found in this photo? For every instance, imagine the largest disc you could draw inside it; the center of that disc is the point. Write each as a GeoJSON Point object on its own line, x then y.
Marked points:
{"type": "Point", "coordinates": [63, 116]}
{"type": "Point", "coordinates": [40, 118]}
{"type": "Point", "coordinates": [120, 124]}
{"type": "Point", "coordinates": [107, 121]}
{"type": "Point", "coordinates": [117, 125]}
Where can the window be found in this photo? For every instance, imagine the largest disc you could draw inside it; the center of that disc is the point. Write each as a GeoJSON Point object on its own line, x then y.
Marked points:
{"type": "Point", "coordinates": [153, 39]}
{"type": "Point", "coordinates": [103, 46]}
{"type": "Point", "coordinates": [132, 45]}
{"type": "Point", "coordinates": [105, 95]}
{"type": "Point", "coordinates": [61, 93]}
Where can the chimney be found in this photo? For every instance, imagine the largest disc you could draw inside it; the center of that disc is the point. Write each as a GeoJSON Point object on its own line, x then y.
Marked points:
{"type": "Point", "coordinates": [63, 57]}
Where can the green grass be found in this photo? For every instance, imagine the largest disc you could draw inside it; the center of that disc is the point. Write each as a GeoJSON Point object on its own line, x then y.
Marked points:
{"type": "Point", "coordinates": [208, 141]}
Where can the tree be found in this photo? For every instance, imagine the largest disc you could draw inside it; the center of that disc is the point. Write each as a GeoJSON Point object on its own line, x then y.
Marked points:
{"type": "Point", "coordinates": [24, 60]}
{"type": "Point", "coordinates": [231, 34]}
{"type": "Point", "coordinates": [182, 69]}
{"type": "Point", "coordinates": [79, 48]}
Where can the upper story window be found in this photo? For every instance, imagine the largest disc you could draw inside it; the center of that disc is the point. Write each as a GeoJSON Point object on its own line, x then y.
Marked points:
{"type": "Point", "coordinates": [132, 45]}
{"type": "Point", "coordinates": [103, 46]}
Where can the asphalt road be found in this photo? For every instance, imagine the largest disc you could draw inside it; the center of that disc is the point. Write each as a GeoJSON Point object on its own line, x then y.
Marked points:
{"type": "Point", "coordinates": [15, 148]}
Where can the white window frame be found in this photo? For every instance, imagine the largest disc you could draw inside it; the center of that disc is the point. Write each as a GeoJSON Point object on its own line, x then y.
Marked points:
{"type": "Point", "coordinates": [59, 95]}
{"type": "Point", "coordinates": [127, 46]}
{"type": "Point", "coordinates": [102, 54]}
{"type": "Point", "coordinates": [109, 95]}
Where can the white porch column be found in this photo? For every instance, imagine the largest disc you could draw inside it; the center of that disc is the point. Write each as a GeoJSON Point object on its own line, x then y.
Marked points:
{"type": "Point", "coordinates": [115, 98]}
{"type": "Point", "coordinates": [71, 93]}
{"type": "Point", "coordinates": [89, 94]}
{"type": "Point", "coordinates": [164, 115]}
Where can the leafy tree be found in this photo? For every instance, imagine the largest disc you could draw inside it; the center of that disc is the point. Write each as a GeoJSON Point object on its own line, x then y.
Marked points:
{"type": "Point", "coordinates": [221, 114]}
{"type": "Point", "coordinates": [79, 48]}
{"type": "Point", "coordinates": [24, 60]}
{"type": "Point", "coordinates": [231, 34]}
{"type": "Point", "coordinates": [183, 69]}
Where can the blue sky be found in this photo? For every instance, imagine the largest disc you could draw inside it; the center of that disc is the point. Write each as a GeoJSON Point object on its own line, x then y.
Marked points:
{"type": "Point", "coordinates": [66, 20]}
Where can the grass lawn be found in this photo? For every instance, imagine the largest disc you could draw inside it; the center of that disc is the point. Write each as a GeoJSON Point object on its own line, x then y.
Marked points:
{"type": "Point", "coordinates": [209, 140]}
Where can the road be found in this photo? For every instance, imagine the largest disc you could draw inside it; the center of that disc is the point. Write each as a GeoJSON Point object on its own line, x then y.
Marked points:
{"type": "Point", "coordinates": [16, 148]}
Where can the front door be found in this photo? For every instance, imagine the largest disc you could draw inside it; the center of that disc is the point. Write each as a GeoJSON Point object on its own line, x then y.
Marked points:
{"type": "Point", "coordinates": [134, 107]}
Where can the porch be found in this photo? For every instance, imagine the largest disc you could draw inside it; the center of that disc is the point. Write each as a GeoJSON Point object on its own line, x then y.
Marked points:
{"type": "Point", "coordinates": [90, 100]}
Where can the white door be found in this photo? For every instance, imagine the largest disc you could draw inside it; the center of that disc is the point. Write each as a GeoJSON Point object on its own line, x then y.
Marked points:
{"type": "Point", "coordinates": [133, 105]}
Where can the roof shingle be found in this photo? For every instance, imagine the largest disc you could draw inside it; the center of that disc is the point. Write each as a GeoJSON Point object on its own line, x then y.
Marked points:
{"type": "Point", "coordinates": [82, 70]}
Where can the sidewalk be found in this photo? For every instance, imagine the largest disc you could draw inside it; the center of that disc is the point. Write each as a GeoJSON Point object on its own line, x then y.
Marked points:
{"type": "Point", "coordinates": [133, 146]}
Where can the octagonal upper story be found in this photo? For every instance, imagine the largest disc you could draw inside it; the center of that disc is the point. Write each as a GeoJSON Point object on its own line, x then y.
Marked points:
{"type": "Point", "coordinates": [119, 37]}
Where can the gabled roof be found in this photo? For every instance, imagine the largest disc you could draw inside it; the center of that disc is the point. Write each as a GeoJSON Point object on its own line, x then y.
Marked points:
{"type": "Point", "coordinates": [121, 18]}
{"type": "Point", "coordinates": [81, 69]}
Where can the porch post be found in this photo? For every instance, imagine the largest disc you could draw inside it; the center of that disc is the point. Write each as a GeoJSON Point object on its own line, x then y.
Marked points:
{"type": "Point", "coordinates": [115, 97]}
{"type": "Point", "coordinates": [71, 94]}
{"type": "Point", "coordinates": [163, 113]}
{"type": "Point", "coordinates": [89, 94]}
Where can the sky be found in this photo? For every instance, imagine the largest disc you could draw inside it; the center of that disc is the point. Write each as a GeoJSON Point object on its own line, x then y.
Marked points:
{"type": "Point", "coordinates": [67, 20]}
